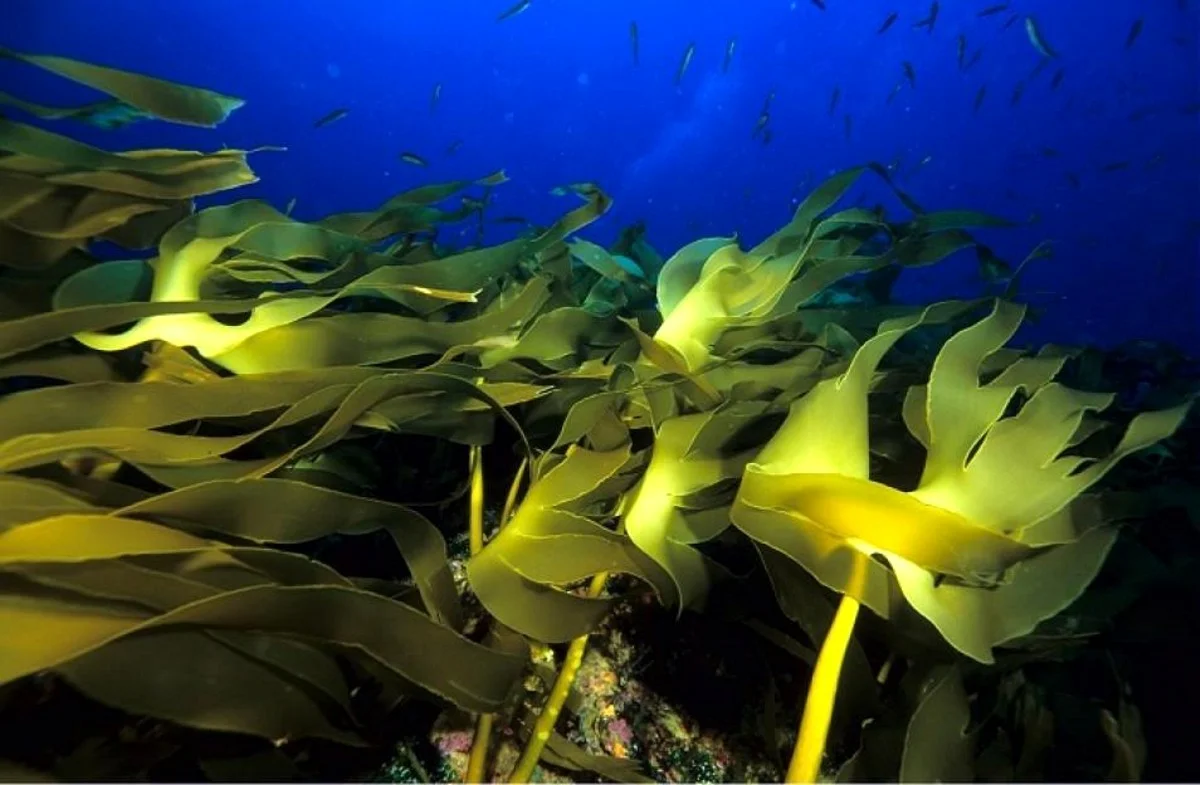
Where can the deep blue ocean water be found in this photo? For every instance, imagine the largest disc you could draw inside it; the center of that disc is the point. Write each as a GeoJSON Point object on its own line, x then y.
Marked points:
{"type": "Point", "coordinates": [1106, 165]}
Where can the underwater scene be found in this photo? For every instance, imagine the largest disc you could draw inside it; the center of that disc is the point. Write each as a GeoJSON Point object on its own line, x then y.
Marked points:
{"type": "Point", "coordinates": [560, 391]}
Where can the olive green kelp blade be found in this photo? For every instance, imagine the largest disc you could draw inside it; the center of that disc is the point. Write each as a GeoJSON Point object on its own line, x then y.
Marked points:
{"type": "Point", "coordinates": [549, 543]}
{"type": "Point", "coordinates": [152, 96]}
{"type": "Point", "coordinates": [47, 630]}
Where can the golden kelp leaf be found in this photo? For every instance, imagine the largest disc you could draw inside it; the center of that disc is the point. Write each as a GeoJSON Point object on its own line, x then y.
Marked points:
{"type": "Point", "coordinates": [559, 338]}
{"type": "Point", "coordinates": [283, 511]}
{"type": "Point", "coordinates": [937, 747]}
{"type": "Point", "coordinates": [150, 405]}
{"type": "Point", "coordinates": [681, 272]}
{"type": "Point", "coordinates": [47, 632]}
{"type": "Point", "coordinates": [64, 364]}
{"type": "Point", "coordinates": [166, 100]}
{"type": "Point", "coordinates": [73, 213]}
{"type": "Point", "coordinates": [548, 543]}
{"type": "Point", "coordinates": [974, 620]}
{"type": "Point", "coordinates": [686, 459]}
{"type": "Point", "coordinates": [154, 174]}
{"type": "Point", "coordinates": [963, 418]}
{"type": "Point", "coordinates": [201, 682]}
{"type": "Point", "coordinates": [27, 499]}
{"type": "Point", "coordinates": [597, 205]}
{"type": "Point", "coordinates": [367, 338]}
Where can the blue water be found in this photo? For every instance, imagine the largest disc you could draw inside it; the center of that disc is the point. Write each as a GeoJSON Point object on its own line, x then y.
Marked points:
{"type": "Point", "coordinates": [552, 96]}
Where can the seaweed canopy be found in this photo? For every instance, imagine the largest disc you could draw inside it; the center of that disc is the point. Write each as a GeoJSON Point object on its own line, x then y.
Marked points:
{"type": "Point", "coordinates": [182, 436]}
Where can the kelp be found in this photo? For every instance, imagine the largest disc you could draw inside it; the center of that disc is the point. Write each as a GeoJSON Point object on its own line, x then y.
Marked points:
{"type": "Point", "coordinates": [136, 95]}
{"type": "Point", "coordinates": [166, 511]}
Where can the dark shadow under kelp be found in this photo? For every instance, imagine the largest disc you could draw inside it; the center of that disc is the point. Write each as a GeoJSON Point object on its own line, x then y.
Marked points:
{"type": "Point", "coordinates": [245, 482]}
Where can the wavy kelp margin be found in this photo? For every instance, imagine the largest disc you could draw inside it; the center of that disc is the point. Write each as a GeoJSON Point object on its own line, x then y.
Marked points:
{"type": "Point", "coordinates": [182, 450]}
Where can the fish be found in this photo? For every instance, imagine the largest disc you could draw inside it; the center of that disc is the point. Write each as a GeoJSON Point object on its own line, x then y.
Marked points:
{"type": "Point", "coordinates": [1018, 91]}
{"type": "Point", "coordinates": [291, 205]}
{"type": "Point", "coordinates": [729, 49]}
{"type": "Point", "coordinates": [520, 7]}
{"type": "Point", "coordinates": [834, 98]}
{"type": "Point", "coordinates": [1010, 21]}
{"type": "Point", "coordinates": [767, 136]}
{"type": "Point", "coordinates": [929, 21]}
{"type": "Point", "coordinates": [511, 219]}
{"type": "Point", "coordinates": [848, 124]}
{"type": "Point", "coordinates": [1049, 152]}
{"type": "Point", "coordinates": [435, 97]}
{"type": "Point", "coordinates": [895, 91]}
{"type": "Point", "coordinates": [1035, 38]}
{"type": "Point", "coordinates": [973, 60]}
{"type": "Point", "coordinates": [910, 73]}
{"type": "Point", "coordinates": [413, 158]}
{"type": "Point", "coordinates": [454, 146]}
{"type": "Point", "coordinates": [1115, 166]}
{"type": "Point", "coordinates": [979, 96]}
{"type": "Point", "coordinates": [633, 40]}
{"type": "Point", "coordinates": [1072, 178]}
{"type": "Point", "coordinates": [332, 117]}
{"type": "Point", "coordinates": [887, 23]}
{"type": "Point", "coordinates": [993, 9]}
{"type": "Point", "coordinates": [1056, 80]}
{"type": "Point", "coordinates": [684, 62]}
{"type": "Point", "coordinates": [962, 51]}
{"type": "Point", "coordinates": [819, 4]}
{"type": "Point", "coordinates": [1135, 30]}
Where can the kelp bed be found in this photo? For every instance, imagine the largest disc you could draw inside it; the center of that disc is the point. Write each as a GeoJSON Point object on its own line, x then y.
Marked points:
{"type": "Point", "coordinates": [296, 500]}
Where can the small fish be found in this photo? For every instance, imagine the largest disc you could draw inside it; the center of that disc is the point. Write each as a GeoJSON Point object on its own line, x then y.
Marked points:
{"type": "Point", "coordinates": [1018, 91]}
{"type": "Point", "coordinates": [819, 4]}
{"type": "Point", "coordinates": [895, 91]}
{"type": "Point", "coordinates": [887, 23]}
{"type": "Point", "coordinates": [633, 41]}
{"type": "Point", "coordinates": [729, 49]}
{"type": "Point", "coordinates": [1049, 152]}
{"type": "Point", "coordinates": [684, 62]}
{"type": "Point", "coordinates": [332, 117]}
{"type": "Point", "coordinates": [1072, 178]}
{"type": "Point", "coordinates": [291, 205]}
{"type": "Point", "coordinates": [979, 96]}
{"type": "Point", "coordinates": [848, 125]}
{"type": "Point", "coordinates": [973, 60]}
{"type": "Point", "coordinates": [767, 136]}
{"type": "Point", "coordinates": [413, 158]}
{"type": "Point", "coordinates": [1056, 80]}
{"type": "Point", "coordinates": [1115, 166]}
{"type": "Point", "coordinates": [1135, 30]}
{"type": "Point", "coordinates": [1010, 21]}
{"type": "Point", "coordinates": [520, 7]}
{"type": "Point", "coordinates": [435, 97]}
{"type": "Point", "coordinates": [962, 51]}
{"type": "Point", "coordinates": [454, 146]}
{"type": "Point", "coordinates": [511, 219]}
{"type": "Point", "coordinates": [993, 9]}
{"type": "Point", "coordinates": [929, 21]}
{"type": "Point", "coordinates": [1035, 38]}
{"type": "Point", "coordinates": [910, 73]}
{"type": "Point", "coordinates": [834, 98]}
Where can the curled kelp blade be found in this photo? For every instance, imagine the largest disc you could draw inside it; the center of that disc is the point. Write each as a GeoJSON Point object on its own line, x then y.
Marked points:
{"type": "Point", "coordinates": [283, 511]}
{"type": "Point", "coordinates": [549, 543]}
{"type": "Point", "coordinates": [156, 97]}
{"type": "Point", "coordinates": [686, 459]}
